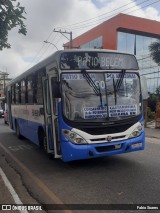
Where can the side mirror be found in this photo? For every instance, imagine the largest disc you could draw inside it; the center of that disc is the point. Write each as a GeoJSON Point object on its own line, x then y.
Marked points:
{"type": "Point", "coordinates": [144, 88]}
{"type": "Point", "coordinates": [56, 89]}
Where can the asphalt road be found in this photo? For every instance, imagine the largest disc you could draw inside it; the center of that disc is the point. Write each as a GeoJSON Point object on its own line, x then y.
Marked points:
{"type": "Point", "coordinates": [132, 178]}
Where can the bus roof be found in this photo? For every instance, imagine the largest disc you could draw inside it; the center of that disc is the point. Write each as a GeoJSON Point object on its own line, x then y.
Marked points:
{"type": "Point", "coordinates": [56, 56]}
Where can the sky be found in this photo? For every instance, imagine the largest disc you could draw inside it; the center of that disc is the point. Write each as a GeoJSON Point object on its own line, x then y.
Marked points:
{"type": "Point", "coordinates": [78, 16]}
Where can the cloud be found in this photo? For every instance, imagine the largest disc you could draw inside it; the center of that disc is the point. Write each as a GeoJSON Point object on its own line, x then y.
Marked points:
{"type": "Point", "coordinates": [43, 16]}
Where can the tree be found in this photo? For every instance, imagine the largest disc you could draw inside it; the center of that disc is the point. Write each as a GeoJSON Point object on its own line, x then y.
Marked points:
{"type": "Point", "coordinates": [152, 102]}
{"type": "Point", "coordinates": [11, 16]}
{"type": "Point", "coordinates": [158, 91]}
{"type": "Point", "coordinates": [155, 51]}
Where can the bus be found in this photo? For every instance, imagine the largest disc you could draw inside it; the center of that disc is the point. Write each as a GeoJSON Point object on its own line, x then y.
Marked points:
{"type": "Point", "coordinates": [80, 104]}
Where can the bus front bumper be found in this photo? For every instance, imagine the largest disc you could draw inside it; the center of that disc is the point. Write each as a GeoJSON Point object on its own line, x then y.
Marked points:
{"type": "Point", "coordinates": [73, 152]}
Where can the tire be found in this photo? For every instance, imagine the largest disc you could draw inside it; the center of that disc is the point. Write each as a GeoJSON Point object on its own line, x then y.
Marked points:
{"type": "Point", "coordinates": [41, 137]}
{"type": "Point", "coordinates": [19, 136]}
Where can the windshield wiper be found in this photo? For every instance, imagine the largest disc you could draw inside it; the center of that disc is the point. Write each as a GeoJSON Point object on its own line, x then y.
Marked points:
{"type": "Point", "coordinates": [115, 92]}
{"type": "Point", "coordinates": [120, 80]}
{"type": "Point", "coordinates": [118, 84]}
{"type": "Point", "coordinates": [96, 89]}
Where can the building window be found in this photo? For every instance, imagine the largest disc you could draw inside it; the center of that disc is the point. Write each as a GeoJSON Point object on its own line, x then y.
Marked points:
{"type": "Point", "coordinates": [126, 42]}
{"type": "Point", "coordinates": [93, 44]}
{"type": "Point", "coordinates": [139, 45]}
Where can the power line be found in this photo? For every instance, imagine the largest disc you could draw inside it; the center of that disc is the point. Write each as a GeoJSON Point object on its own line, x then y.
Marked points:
{"type": "Point", "coordinates": [108, 16]}
{"type": "Point", "coordinates": [41, 56]}
{"type": "Point", "coordinates": [82, 26]}
{"type": "Point", "coordinates": [63, 33]}
{"type": "Point", "coordinates": [150, 67]}
{"type": "Point", "coordinates": [38, 52]}
{"type": "Point", "coordinates": [144, 58]}
{"type": "Point", "coordinates": [93, 23]}
{"type": "Point", "coordinates": [48, 42]}
{"type": "Point", "coordinates": [153, 78]}
{"type": "Point", "coordinates": [151, 73]}
{"type": "Point", "coordinates": [111, 12]}
{"type": "Point", "coordinates": [98, 16]}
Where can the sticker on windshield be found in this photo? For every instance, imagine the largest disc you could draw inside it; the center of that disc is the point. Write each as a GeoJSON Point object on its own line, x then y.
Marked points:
{"type": "Point", "coordinates": [94, 112]}
{"type": "Point", "coordinates": [122, 110]}
{"type": "Point", "coordinates": [76, 76]}
{"type": "Point", "coordinates": [117, 75]}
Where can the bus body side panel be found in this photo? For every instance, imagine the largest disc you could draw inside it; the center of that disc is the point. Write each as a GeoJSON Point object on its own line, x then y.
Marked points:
{"type": "Point", "coordinates": [29, 120]}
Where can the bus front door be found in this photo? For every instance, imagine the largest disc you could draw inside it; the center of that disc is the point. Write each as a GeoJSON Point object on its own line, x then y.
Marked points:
{"type": "Point", "coordinates": [51, 119]}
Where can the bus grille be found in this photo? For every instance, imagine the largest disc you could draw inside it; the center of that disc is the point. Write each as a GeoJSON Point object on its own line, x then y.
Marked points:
{"type": "Point", "coordinates": [104, 139]}
{"type": "Point", "coordinates": [106, 130]}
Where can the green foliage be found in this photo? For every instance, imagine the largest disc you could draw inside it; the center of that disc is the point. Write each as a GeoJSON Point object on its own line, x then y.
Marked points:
{"type": "Point", "coordinates": [155, 51]}
{"type": "Point", "coordinates": [150, 114]}
{"type": "Point", "coordinates": [11, 15]}
{"type": "Point", "coordinates": [158, 92]}
{"type": "Point", "coordinates": [152, 101]}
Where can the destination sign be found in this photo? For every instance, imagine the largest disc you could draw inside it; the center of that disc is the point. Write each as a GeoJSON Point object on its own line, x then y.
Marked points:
{"type": "Point", "coordinates": [97, 60]}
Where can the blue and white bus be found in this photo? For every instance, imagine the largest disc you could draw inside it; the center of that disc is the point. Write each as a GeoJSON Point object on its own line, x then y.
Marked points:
{"type": "Point", "coordinates": [80, 104]}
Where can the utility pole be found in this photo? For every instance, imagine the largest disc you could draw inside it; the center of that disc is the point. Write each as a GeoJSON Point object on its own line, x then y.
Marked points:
{"type": "Point", "coordinates": [65, 32]}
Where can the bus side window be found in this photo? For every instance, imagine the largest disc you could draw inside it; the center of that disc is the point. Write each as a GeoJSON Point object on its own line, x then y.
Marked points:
{"type": "Point", "coordinates": [30, 89]}
{"type": "Point", "coordinates": [13, 94]}
{"type": "Point", "coordinates": [55, 100]}
{"type": "Point", "coordinates": [18, 93]}
{"type": "Point", "coordinates": [38, 86]}
{"type": "Point", "coordinates": [23, 91]}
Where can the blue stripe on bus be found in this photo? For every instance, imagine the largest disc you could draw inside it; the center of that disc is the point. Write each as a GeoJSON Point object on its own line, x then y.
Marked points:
{"type": "Point", "coordinates": [28, 129]}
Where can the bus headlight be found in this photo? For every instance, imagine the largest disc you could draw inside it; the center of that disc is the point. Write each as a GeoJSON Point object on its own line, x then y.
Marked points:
{"type": "Point", "coordinates": [73, 137]}
{"type": "Point", "coordinates": [137, 131]}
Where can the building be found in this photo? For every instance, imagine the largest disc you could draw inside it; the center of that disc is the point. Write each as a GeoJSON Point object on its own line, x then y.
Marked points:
{"type": "Point", "coordinates": [4, 80]}
{"type": "Point", "coordinates": [129, 34]}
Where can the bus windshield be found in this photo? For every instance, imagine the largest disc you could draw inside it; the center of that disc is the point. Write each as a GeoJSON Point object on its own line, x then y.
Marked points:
{"type": "Point", "coordinates": [100, 96]}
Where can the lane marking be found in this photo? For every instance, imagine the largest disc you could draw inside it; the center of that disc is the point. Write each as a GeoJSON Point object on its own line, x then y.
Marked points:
{"type": "Point", "coordinates": [11, 190]}
{"type": "Point", "coordinates": [39, 183]}
{"type": "Point", "coordinates": [17, 148]}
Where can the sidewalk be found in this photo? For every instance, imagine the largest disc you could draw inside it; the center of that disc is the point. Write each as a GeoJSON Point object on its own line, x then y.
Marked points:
{"type": "Point", "coordinates": [151, 132]}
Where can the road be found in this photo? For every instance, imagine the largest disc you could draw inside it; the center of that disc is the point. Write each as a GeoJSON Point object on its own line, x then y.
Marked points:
{"type": "Point", "coordinates": [132, 178]}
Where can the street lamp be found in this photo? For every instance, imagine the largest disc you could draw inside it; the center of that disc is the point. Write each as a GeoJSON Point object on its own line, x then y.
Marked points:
{"type": "Point", "coordinates": [47, 42]}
